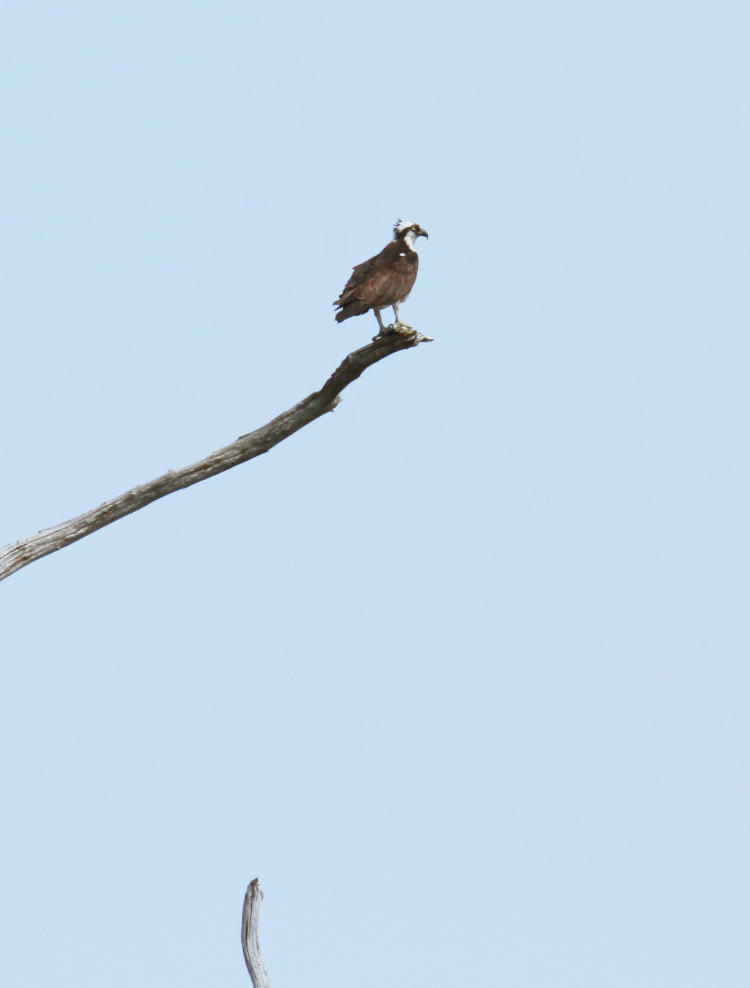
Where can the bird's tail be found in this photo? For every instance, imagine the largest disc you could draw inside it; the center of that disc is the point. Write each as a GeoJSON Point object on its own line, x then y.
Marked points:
{"type": "Point", "coordinates": [349, 309]}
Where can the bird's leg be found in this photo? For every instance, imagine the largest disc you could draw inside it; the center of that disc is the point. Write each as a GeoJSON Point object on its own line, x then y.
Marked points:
{"type": "Point", "coordinates": [383, 330]}
{"type": "Point", "coordinates": [398, 324]}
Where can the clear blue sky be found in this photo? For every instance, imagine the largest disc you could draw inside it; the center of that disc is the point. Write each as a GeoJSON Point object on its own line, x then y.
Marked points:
{"type": "Point", "coordinates": [461, 670]}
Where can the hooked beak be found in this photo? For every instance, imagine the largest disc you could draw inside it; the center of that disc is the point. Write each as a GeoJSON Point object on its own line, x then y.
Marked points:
{"type": "Point", "coordinates": [423, 233]}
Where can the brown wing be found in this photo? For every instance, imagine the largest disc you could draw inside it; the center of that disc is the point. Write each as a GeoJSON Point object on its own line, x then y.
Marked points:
{"type": "Point", "coordinates": [359, 274]}
{"type": "Point", "coordinates": [382, 280]}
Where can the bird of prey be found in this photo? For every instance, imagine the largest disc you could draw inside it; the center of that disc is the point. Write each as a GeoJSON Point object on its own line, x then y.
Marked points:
{"type": "Point", "coordinates": [384, 280]}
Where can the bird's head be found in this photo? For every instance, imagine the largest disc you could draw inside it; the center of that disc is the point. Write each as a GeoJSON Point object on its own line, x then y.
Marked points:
{"type": "Point", "coordinates": [408, 231]}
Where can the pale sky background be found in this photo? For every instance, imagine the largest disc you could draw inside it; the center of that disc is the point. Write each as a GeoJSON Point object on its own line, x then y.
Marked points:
{"type": "Point", "coordinates": [461, 670]}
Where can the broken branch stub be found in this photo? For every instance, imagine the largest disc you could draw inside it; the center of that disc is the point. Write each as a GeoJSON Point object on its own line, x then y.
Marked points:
{"type": "Point", "coordinates": [250, 938]}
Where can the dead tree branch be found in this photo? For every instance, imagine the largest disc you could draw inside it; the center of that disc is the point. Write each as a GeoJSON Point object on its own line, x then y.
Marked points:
{"type": "Point", "coordinates": [250, 938]}
{"type": "Point", "coordinates": [18, 554]}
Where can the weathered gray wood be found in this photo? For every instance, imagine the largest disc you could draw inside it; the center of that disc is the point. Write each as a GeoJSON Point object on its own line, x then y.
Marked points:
{"type": "Point", "coordinates": [18, 554]}
{"type": "Point", "coordinates": [250, 938]}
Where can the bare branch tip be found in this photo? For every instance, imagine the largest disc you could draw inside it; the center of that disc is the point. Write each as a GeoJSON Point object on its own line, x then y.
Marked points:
{"type": "Point", "coordinates": [413, 335]}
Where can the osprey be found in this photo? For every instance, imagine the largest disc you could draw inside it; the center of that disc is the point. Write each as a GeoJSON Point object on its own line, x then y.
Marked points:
{"type": "Point", "coordinates": [384, 280]}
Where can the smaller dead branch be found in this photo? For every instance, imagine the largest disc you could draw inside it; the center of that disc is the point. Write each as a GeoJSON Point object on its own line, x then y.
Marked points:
{"type": "Point", "coordinates": [250, 938]}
